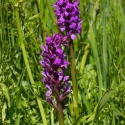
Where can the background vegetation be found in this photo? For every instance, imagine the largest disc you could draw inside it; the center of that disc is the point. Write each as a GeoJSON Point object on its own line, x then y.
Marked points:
{"type": "Point", "coordinates": [99, 52]}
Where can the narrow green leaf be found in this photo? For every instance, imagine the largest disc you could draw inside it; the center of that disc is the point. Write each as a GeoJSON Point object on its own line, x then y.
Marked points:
{"type": "Point", "coordinates": [105, 98]}
{"type": "Point", "coordinates": [18, 108]}
{"type": "Point", "coordinates": [85, 117]}
{"type": "Point", "coordinates": [93, 42]}
{"type": "Point", "coordinates": [4, 111]}
{"type": "Point", "coordinates": [85, 101]}
{"type": "Point", "coordinates": [119, 112]}
{"type": "Point", "coordinates": [104, 45]}
{"type": "Point", "coordinates": [5, 92]}
{"type": "Point", "coordinates": [78, 119]}
{"type": "Point", "coordinates": [100, 105]}
{"type": "Point", "coordinates": [81, 118]}
{"type": "Point", "coordinates": [92, 117]}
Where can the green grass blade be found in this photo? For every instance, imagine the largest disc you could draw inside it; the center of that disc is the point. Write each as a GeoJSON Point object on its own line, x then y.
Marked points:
{"type": "Point", "coordinates": [119, 112]}
{"type": "Point", "coordinates": [18, 108]}
{"type": "Point", "coordinates": [105, 98]}
{"type": "Point", "coordinates": [104, 46]}
{"type": "Point", "coordinates": [93, 42]}
{"type": "Point", "coordinates": [28, 67]}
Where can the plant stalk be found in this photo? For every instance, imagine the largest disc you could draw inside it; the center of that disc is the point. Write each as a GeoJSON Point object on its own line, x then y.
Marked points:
{"type": "Point", "coordinates": [84, 57]}
{"type": "Point", "coordinates": [60, 114]}
{"type": "Point", "coordinates": [27, 65]}
{"type": "Point", "coordinates": [73, 76]}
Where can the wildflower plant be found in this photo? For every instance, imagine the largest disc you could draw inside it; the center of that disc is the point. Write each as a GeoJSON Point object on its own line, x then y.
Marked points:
{"type": "Point", "coordinates": [54, 66]}
{"type": "Point", "coordinates": [69, 22]}
{"type": "Point", "coordinates": [54, 63]}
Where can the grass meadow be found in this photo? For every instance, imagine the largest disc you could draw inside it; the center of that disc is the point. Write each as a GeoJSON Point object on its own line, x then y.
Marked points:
{"type": "Point", "coordinates": [99, 61]}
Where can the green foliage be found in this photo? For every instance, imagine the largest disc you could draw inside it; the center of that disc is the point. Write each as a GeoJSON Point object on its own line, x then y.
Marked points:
{"type": "Point", "coordinates": [100, 63]}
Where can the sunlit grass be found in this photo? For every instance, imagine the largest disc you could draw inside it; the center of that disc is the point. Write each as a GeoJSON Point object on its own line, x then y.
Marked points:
{"type": "Point", "coordinates": [99, 54]}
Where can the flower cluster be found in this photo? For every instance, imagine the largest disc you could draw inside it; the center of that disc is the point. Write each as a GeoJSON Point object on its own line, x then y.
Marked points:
{"type": "Point", "coordinates": [67, 14]}
{"type": "Point", "coordinates": [53, 62]}
{"type": "Point", "coordinates": [54, 65]}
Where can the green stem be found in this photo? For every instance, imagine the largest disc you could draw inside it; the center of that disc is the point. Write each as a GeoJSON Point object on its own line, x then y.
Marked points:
{"type": "Point", "coordinates": [73, 76]}
{"type": "Point", "coordinates": [40, 21]}
{"type": "Point", "coordinates": [84, 58]}
{"type": "Point", "coordinates": [52, 117]}
{"type": "Point", "coordinates": [60, 114]}
{"type": "Point", "coordinates": [27, 65]}
{"type": "Point", "coordinates": [50, 11]}
{"type": "Point", "coordinates": [56, 29]}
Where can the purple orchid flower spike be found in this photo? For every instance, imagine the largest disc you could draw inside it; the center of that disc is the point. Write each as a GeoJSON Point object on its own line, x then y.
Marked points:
{"type": "Point", "coordinates": [54, 66]}
{"type": "Point", "coordinates": [67, 14]}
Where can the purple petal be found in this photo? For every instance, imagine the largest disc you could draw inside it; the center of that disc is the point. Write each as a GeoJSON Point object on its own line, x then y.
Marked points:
{"type": "Point", "coordinates": [61, 20]}
{"type": "Point", "coordinates": [66, 78]}
{"type": "Point", "coordinates": [73, 36]}
{"type": "Point", "coordinates": [48, 93]}
{"type": "Point", "coordinates": [65, 63]}
{"type": "Point", "coordinates": [59, 51]}
{"type": "Point", "coordinates": [73, 25]}
{"type": "Point", "coordinates": [49, 100]}
{"type": "Point", "coordinates": [62, 28]}
{"type": "Point", "coordinates": [57, 61]}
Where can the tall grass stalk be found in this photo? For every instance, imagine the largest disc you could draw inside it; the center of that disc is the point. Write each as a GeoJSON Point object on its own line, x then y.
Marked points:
{"type": "Point", "coordinates": [73, 76]}
{"type": "Point", "coordinates": [27, 65]}
{"type": "Point", "coordinates": [60, 114]}
{"type": "Point", "coordinates": [84, 58]}
{"type": "Point", "coordinates": [92, 40]}
{"type": "Point", "coordinates": [104, 46]}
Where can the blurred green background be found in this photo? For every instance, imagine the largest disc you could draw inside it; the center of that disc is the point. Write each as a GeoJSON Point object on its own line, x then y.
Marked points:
{"type": "Point", "coordinates": [99, 54]}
